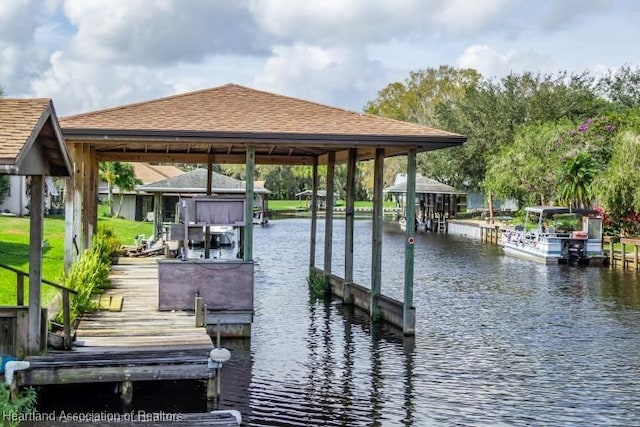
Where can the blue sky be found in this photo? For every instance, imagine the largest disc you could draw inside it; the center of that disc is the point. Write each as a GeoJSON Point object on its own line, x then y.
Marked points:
{"type": "Point", "coordinates": [89, 55]}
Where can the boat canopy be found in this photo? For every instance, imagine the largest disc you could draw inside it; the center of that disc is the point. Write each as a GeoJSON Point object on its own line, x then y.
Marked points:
{"type": "Point", "coordinates": [555, 210]}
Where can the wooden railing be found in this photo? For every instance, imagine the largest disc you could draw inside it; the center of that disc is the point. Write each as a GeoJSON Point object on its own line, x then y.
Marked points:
{"type": "Point", "coordinates": [66, 303]}
{"type": "Point", "coordinates": [627, 256]}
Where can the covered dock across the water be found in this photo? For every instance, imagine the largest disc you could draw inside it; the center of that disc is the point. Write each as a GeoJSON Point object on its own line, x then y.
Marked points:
{"type": "Point", "coordinates": [235, 124]}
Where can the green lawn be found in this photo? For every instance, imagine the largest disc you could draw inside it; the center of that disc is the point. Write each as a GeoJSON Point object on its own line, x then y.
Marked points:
{"type": "Point", "coordinates": [14, 249]}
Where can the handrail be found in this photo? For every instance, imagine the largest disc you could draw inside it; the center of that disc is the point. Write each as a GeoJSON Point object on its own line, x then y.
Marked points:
{"type": "Point", "coordinates": [66, 306]}
{"type": "Point", "coordinates": [48, 282]}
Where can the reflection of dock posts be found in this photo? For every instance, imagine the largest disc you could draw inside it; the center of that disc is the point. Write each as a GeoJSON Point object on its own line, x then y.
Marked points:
{"type": "Point", "coordinates": [126, 392]}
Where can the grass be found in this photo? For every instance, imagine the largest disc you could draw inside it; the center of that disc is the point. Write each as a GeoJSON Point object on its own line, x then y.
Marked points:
{"type": "Point", "coordinates": [14, 250]}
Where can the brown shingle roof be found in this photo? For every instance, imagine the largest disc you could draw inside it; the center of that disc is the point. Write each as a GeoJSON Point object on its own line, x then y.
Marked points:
{"type": "Point", "coordinates": [31, 141]}
{"type": "Point", "coordinates": [18, 120]}
{"type": "Point", "coordinates": [148, 173]}
{"type": "Point", "coordinates": [234, 108]}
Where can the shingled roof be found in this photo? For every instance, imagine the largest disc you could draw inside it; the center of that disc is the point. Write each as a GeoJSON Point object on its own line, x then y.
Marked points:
{"type": "Point", "coordinates": [424, 185]}
{"type": "Point", "coordinates": [223, 120]}
{"type": "Point", "coordinates": [195, 181]}
{"type": "Point", "coordinates": [31, 142]}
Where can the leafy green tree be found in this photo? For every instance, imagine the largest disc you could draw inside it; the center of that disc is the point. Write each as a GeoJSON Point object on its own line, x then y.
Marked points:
{"type": "Point", "coordinates": [125, 180]}
{"type": "Point", "coordinates": [618, 186]}
{"type": "Point", "coordinates": [576, 176]}
{"type": "Point", "coordinates": [622, 87]}
{"type": "Point", "coordinates": [117, 174]}
{"type": "Point", "coordinates": [491, 113]}
{"type": "Point", "coordinates": [4, 187]}
{"type": "Point", "coordinates": [526, 170]}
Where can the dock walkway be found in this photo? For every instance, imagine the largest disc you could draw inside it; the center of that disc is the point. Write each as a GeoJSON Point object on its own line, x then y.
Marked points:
{"type": "Point", "coordinates": [138, 343]}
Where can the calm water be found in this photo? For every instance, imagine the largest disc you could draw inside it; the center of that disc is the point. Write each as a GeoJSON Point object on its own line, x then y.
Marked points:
{"type": "Point", "coordinates": [499, 341]}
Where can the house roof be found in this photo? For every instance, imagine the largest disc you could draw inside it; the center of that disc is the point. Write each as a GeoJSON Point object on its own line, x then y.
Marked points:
{"type": "Point", "coordinates": [31, 142]}
{"type": "Point", "coordinates": [320, 193]}
{"type": "Point", "coordinates": [196, 182]}
{"type": "Point", "coordinates": [424, 185]}
{"type": "Point", "coordinates": [148, 173]}
{"type": "Point", "coordinates": [221, 122]}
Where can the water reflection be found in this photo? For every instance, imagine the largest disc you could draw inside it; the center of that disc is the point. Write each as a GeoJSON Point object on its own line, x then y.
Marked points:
{"type": "Point", "coordinates": [499, 341]}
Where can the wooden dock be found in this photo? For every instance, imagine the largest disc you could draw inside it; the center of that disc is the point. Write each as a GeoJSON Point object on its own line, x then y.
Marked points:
{"type": "Point", "coordinates": [138, 343]}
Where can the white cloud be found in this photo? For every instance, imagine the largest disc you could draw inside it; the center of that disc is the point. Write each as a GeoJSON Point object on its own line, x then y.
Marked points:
{"type": "Point", "coordinates": [336, 76]}
{"type": "Point", "coordinates": [463, 17]}
{"type": "Point", "coordinates": [157, 32]}
{"type": "Point", "coordinates": [491, 63]}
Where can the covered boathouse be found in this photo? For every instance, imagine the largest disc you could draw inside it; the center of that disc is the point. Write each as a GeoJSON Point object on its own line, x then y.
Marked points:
{"type": "Point", "coordinates": [236, 124]}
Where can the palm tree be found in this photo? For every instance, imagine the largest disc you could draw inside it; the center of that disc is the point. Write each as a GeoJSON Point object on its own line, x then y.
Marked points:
{"type": "Point", "coordinates": [125, 180]}
{"type": "Point", "coordinates": [108, 174]}
{"type": "Point", "coordinates": [576, 176]}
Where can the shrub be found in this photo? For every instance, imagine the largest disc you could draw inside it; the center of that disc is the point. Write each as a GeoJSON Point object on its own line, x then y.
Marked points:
{"type": "Point", "coordinates": [90, 273]}
{"type": "Point", "coordinates": [10, 410]}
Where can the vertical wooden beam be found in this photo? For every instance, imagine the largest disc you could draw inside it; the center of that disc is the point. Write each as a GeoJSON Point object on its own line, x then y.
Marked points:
{"type": "Point", "coordinates": [376, 244]}
{"type": "Point", "coordinates": [314, 213]}
{"type": "Point", "coordinates": [20, 289]}
{"type": "Point", "coordinates": [86, 196]}
{"type": "Point", "coordinates": [328, 217]}
{"type": "Point", "coordinates": [92, 202]}
{"type": "Point", "coordinates": [157, 212]}
{"type": "Point", "coordinates": [77, 198]}
{"type": "Point", "coordinates": [35, 263]}
{"type": "Point", "coordinates": [69, 209]}
{"type": "Point", "coordinates": [349, 222]}
{"type": "Point", "coordinates": [408, 312]}
{"type": "Point", "coordinates": [207, 229]}
{"type": "Point", "coordinates": [248, 227]}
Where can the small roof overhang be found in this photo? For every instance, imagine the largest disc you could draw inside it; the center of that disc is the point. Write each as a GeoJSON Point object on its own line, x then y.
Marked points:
{"type": "Point", "coordinates": [31, 141]}
{"type": "Point", "coordinates": [556, 210]}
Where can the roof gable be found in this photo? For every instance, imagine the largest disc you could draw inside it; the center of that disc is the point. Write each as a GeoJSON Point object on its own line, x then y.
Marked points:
{"type": "Point", "coordinates": [31, 142]}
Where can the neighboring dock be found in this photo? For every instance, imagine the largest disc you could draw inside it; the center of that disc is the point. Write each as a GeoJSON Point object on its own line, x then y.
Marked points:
{"type": "Point", "coordinates": [138, 343]}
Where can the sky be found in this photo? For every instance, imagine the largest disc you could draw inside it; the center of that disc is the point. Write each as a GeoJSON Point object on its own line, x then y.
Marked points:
{"type": "Point", "coordinates": [93, 54]}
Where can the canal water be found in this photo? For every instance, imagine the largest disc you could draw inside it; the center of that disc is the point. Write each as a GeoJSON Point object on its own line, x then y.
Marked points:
{"type": "Point", "coordinates": [499, 341]}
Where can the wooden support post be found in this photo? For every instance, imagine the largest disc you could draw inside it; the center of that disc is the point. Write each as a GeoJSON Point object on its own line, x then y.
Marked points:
{"type": "Point", "coordinates": [622, 256]}
{"type": "Point", "coordinates": [157, 213]}
{"type": "Point", "coordinates": [248, 227]}
{"type": "Point", "coordinates": [86, 195]}
{"type": "Point", "coordinates": [126, 392]}
{"type": "Point", "coordinates": [20, 289]}
{"type": "Point", "coordinates": [612, 259]}
{"type": "Point", "coordinates": [328, 217]}
{"type": "Point", "coordinates": [92, 202]}
{"type": "Point", "coordinates": [635, 257]}
{"type": "Point", "coordinates": [207, 228]}
{"type": "Point", "coordinates": [376, 244]}
{"type": "Point", "coordinates": [349, 223]}
{"type": "Point", "coordinates": [69, 209]}
{"type": "Point", "coordinates": [78, 231]}
{"type": "Point", "coordinates": [212, 387]}
{"type": "Point", "coordinates": [35, 263]}
{"type": "Point", "coordinates": [199, 313]}
{"type": "Point", "coordinates": [66, 319]}
{"type": "Point", "coordinates": [314, 213]}
{"type": "Point", "coordinates": [408, 313]}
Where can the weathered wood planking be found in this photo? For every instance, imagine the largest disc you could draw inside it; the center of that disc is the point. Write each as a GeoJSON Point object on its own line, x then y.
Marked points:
{"type": "Point", "coordinates": [135, 344]}
{"type": "Point", "coordinates": [139, 323]}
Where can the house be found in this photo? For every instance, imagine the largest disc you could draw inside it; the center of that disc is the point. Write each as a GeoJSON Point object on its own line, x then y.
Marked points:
{"type": "Point", "coordinates": [17, 200]}
{"type": "Point", "coordinates": [169, 191]}
{"type": "Point", "coordinates": [136, 205]}
{"type": "Point", "coordinates": [321, 198]}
